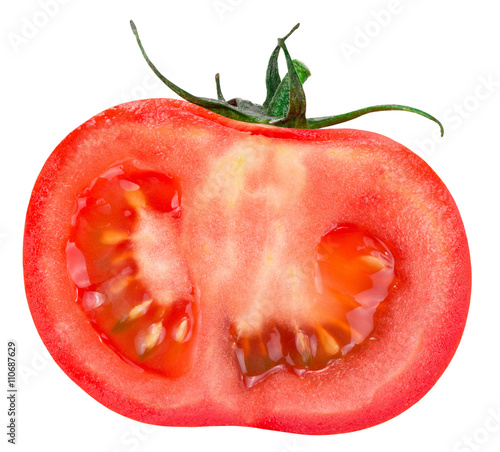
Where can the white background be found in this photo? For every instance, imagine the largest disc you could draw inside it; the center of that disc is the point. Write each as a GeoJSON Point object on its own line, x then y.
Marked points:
{"type": "Point", "coordinates": [61, 67]}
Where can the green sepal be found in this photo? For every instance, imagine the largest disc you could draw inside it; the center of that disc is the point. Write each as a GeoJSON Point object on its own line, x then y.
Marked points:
{"type": "Point", "coordinates": [221, 107]}
{"type": "Point", "coordinates": [278, 107]}
{"type": "Point", "coordinates": [326, 121]}
{"type": "Point", "coordinates": [285, 103]}
{"type": "Point", "coordinates": [238, 109]}
{"type": "Point", "coordinates": [296, 114]}
{"type": "Point", "coordinates": [273, 78]}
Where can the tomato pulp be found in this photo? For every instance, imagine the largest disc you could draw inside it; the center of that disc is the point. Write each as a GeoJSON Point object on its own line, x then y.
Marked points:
{"type": "Point", "coordinates": [188, 269]}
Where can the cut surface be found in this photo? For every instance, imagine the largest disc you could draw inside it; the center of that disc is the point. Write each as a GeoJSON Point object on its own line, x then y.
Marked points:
{"type": "Point", "coordinates": [126, 259]}
{"type": "Point", "coordinates": [353, 272]}
{"type": "Point", "coordinates": [131, 278]}
{"type": "Point", "coordinates": [186, 298]}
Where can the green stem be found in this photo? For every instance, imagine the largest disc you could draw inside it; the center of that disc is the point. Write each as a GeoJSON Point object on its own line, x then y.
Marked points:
{"type": "Point", "coordinates": [217, 85]}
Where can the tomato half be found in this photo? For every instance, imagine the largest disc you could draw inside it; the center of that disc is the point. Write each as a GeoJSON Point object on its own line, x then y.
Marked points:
{"type": "Point", "coordinates": [187, 269]}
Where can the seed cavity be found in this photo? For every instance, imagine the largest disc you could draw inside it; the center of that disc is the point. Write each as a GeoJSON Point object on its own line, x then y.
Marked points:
{"type": "Point", "coordinates": [149, 326]}
{"type": "Point", "coordinates": [353, 272]}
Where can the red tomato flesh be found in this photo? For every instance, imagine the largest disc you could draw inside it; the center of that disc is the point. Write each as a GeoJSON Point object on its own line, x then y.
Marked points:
{"type": "Point", "coordinates": [187, 269]}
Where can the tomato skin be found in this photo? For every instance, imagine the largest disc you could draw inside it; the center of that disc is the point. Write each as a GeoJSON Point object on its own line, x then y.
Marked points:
{"type": "Point", "coordinates": [403, 201]}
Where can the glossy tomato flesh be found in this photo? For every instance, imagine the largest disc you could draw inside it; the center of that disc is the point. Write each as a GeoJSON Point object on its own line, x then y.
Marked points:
{"type": "Point", "coordinates": [187, 269]}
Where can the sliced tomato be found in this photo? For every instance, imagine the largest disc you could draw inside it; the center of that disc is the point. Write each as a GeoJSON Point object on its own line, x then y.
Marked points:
{"type": "Point", "coordinates": [187, 269]}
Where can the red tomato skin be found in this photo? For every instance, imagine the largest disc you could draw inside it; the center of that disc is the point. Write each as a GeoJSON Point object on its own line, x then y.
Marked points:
{"type": "Point", "coordinates": [413, 344]}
